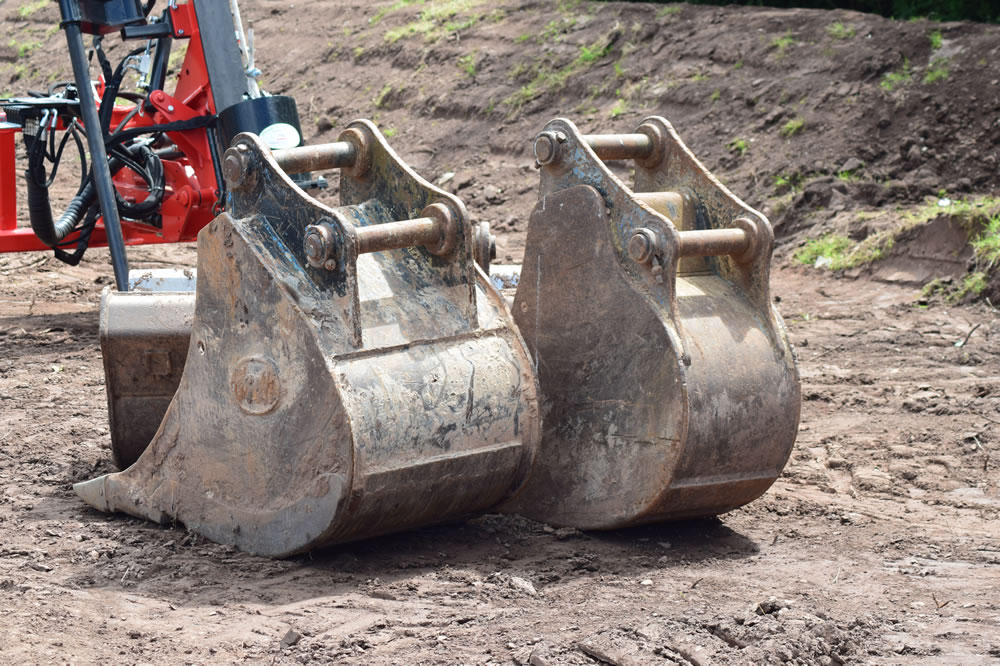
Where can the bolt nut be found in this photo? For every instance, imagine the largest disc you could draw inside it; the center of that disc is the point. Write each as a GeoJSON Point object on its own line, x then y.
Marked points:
{"type": "Point", "coordinates": [547, 147]}
{"type": "Point", "coordinates": [236, 167]}
{"type": "Point", "coordinates": [643, 245]}
{"type": "Point", "coordinates": [318, 245]}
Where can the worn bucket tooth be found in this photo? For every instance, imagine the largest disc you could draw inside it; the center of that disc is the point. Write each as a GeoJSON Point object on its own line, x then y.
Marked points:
{"type": "Point", "coordinates": [668, 383]}
{"type": "Point", "coordinates": [350, 370]}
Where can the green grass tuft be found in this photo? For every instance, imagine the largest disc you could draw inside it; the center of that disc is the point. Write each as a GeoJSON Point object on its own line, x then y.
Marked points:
{"type": "Point", "coordinates": [27, 10]}
{"type": "Point", "coordinates": [24, 49]}
{"type": "Point", "coordinates": [936, 71]}
{"type": "Point", "coordinates": [438, 18]}
{"type": "Point", "coordinates": [973, 284]}
{"type": "Point", "coordinates": [467, 64]}
{"type": "Point", "coordinates": [892, 80]}
{"type": "Point", "coordinates": [383, 95]}
{"type": "Point", "coordinates": [592, 53]}
{"type": "Point", "coordinates": [783, 43]}
{"type": "Point", "coordinates": [548, 79]}
{"type": "Point", "coordinates": [793, 127]}
{"type": "Point", "coordinates": [987, 244]}
{"type": "Point", "coordinates": [831, 246]}
{"type": "Point", "coordinates": [840, 31]}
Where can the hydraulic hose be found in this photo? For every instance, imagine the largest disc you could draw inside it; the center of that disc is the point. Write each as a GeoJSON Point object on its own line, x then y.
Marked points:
{"type": "Point", "coordinates": [50, 231]}
{"type": "Point", "coordinates": [53, 231]}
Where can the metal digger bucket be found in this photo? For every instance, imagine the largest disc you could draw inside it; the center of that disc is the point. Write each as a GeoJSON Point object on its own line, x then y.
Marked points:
{"type": "Point", "coordinates": [350, 370]}
{"type": "Point", "coordinates": [669, 388]}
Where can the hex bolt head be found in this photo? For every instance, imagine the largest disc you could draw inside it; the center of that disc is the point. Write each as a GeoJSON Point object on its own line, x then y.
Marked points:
{"type": "Point", "coordinates": [318, 246]}
{"type": "Point", "coordinates": [236, 167]}
{"type": "Point", "coordinates": [643, 245]}
{"type": "Point", "coordinates": [547, 147]}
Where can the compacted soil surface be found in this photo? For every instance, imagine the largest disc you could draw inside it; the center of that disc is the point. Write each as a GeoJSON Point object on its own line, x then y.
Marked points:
{"type": "Point", "coordinates": [880, 543]}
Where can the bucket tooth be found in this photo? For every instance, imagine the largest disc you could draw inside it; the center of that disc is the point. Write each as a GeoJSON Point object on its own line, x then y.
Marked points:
{"type": "Point", "coordinates": [350, 370]}
{"type": "Point", "coordinates": [668, 383]}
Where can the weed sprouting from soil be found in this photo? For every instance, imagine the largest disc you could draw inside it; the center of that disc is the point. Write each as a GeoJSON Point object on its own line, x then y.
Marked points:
{"type": "Point", "coordinates": [467, 64]}
{"type": "Point", "coordinates": [739, 146]}
{"type": "Point", "coordinates": [27, 10]}
{"type": "Point", "coordinates": [24, 49]}
{"type": "Point", "coordinates": [842, 253]}
{"type": "Point", "coordinates": [547, 79]}
{"type": "Point", "coordinates": [831, 246]}
{"type": "Point", "coordinates": [981, 216]}
{"type": "Point", "coordinates": [399, 4]}
{"type": "Point", "coordinates": [793, 127]}
{"type": "Point", "coordinates": [987, 244]}
{"type": "Point", "coordinates": [936, 71]}
{"type": "Point", "coordinates": [438, 18]}
{"type": "Point", "coordinates": [791, 182]}
{"type": "Point", "coordinates": [592, 53]}
{"type": "Point", "coordinates": [840, 31]}
{"type": "Point", "coordinates": [936, 39]}
{"type": "Point", "coordinates": [781, 44]}
{"type": "Point", "coordinates": [848, 176]}
{"type": "Point", "coordinates": [382, 96]}
{"type": "Point", "coordinates": [973, 284]}
{"type": "Point", "coordinates": [892, 80]}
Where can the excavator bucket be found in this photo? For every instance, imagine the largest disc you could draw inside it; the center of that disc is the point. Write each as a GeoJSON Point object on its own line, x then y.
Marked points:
{"type": "Point", "coordinates": [144, 343]}
{"type": "Point", "coordinates": [669, 388]}
{"type": "Point", "coordinates": [350, 370]}
{"type": "Point", "coordinates": [344, 372]}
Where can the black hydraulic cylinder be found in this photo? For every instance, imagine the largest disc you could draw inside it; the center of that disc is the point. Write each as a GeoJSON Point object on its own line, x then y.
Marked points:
{"type": "Point", "coordinates": [70, 12]}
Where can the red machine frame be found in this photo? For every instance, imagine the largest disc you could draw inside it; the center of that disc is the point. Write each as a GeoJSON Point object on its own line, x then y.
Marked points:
{"type": "Point", "coordinates": [192, 190]}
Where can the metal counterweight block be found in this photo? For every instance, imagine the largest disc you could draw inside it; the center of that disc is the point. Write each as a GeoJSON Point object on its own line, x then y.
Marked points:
{"type": "Point", "coordinates": [669, 387]}
{"type": "Point", "coordinates": [350, 370]}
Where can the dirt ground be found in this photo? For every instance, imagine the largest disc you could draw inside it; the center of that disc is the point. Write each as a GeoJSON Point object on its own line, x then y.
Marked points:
{"type": "Point", "coordinates": [879, 543]}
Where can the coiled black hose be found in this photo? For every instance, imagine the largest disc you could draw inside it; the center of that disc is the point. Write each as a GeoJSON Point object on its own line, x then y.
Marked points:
{"type": "Point", "coordinates": [52, 232]}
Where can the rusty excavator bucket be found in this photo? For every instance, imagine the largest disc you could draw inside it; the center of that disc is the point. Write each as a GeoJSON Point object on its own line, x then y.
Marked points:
{"type": "Point", "coordinates": [350, 371]}
{"type": "Point", "coordinates": [344, 372]}
{"type": "Point", "coordinates": [669, 388]}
